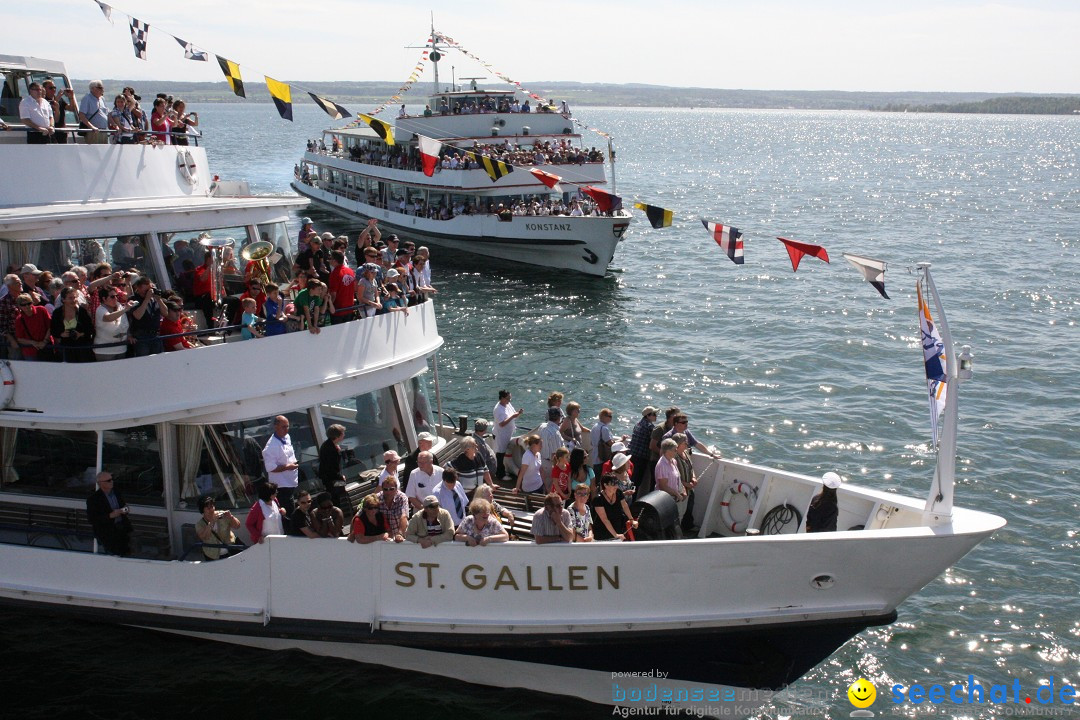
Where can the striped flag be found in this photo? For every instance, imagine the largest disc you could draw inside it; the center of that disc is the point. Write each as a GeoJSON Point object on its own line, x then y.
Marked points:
{"type": "Point", "coordinates": [605, 201]}
{"type": "Point", "coordinates": [281, 94]}
{"type": "Point", "coordinates": [873, 271]}
{"type": "Point", "coordinates": [429, 153]}
{"type": "Point", "coordinates": [658, 216]}
{"type": "Point", "coordinates": [381, 129]}
{"type": "Point", "coordinates": [494, 168]}
{"type": "Point", "coordinates": [796, 250]}
{"type": "Point", "coordinates": [550, 180]}
{"type": "Point", "coordinates": [139, 31]}
{"type": "Point", "coordinates": [934, 357]}
{"type": "Point", "coordinates": [330, 108]}
{"type": "Point", "coordinates": [190, 52]}
{"type": "Point", "coordinates": [728, 238]}
{"type": "Point", "coordinates": [232, 74]}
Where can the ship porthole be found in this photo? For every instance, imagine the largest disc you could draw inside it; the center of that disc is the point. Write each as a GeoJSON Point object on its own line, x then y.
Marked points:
{"type": "Point", "coordinates": [822, 582]}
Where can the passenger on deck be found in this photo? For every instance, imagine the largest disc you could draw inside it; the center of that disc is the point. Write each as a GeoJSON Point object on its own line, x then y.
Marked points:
{"type": "Point", "coordinates": [94, 113]}
{"type": "Point", "coordinates": [680, 423]}
{"type": "Point", "coordinates": [667, 475]}
{"type": "Point", "coordinates": [823, 512]}
{"type": "Point", "coordinates": [505, 426]}
{"type": "Point", "coordinates": [266, 517]}
{"type": "Point", "coordinates": [555, 400]}
{"type": "Point", "coordinates": [279, 460]}
{"type": "Point", "coordinates": [581, 520]}
{"type": "Point", "coordinates": [424, 442]}
{"type": "Point", "coordinates": [174, 322]}
{"type": "Point", "coordinates": [300, 521]}
{"type": "Point", "coordinates": [111, 325]}
{"type": "Point", "coordinates": [72, 328]}
{"type": "Point", "coordinates": [367, 290]}
{"type": "Point", "coordinates": [552, 523]}
{"type": "Point", "coordinates": [688, 477]}
{"type": "Point", "coordinates": [602, 440]}
{"type": "Point", "coordinates": [145, 319]}
{"type": "Point", "coordinates": [611, 512]}
{"type": "Point", "coordinates": [391, 461]}
{"type": "Point", "coordinates": [274, 311]}
{"type": "Point", "coordinates": [394, 300]}
{"type": "Point", "coordinates": [480, 432]}
{"type": "Point", "coordinates": [36, 113]}
{"type": "Point", "coordinates": [423, 480]}
{"type": "Point", "coordinates": [551, 440]}
{"type": "Point", "coordinates": [487, 492]}
{"type": "Point", "coordinates": [60, 104]}
{"type": "Point", "coordinates": [249, 329]}
{"type": "Point", "coordinates": [581, 473]}
{"type": "Point", "coordinates": [620, 467]}
{"type": "Point", "coordinates": [32, 327]}
{"type": "Point", "coordinates": [9, 312]}
{"type": "Point", "coordinates": [471, 468]}
{"type": "Point", "coordinates": [331, 462]}
{"type": "Point", "coordinates": [395, 508]}
{"type": "Point", "coordinates": [256, 292]}
{"type": "Point", "coordinates": [342, 287]}
{"type": "Point", "coordinates": [529, 479]}
{"type": "Point", "coordinates": [431, 526]}
{"type": "Point", "coordinates": [451, 495]}
{"type": "Point", "coordinates": [108, 516]}
{"type": "Point", "coordinates": [571, 426]}
{"type": "Point", "coordinates": [369, 525]}
{"type": "Point", "coordinates": [560, 474]}
{"type": "Point", "coordinates": [30, 276]}
{"type": "Point", "coordinates": [215, 528]}
{"type": "Point", "coordinates": [480, 527]}
{"type": "Point", "coordinates": [313, 304]}
{"type": "Point", "coordinates": [327, 519]}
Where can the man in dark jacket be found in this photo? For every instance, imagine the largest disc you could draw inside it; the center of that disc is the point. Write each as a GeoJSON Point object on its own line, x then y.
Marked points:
{"type": "Point", "coordinates": [108, 515]}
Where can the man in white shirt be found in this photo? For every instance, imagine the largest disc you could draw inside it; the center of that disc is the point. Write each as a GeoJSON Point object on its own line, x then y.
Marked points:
{"type": "Point", "coordinates": [280, 461]}
{"type": "Point", "coordinates": [423, 480]}
{"type": "Point", "coordinates": [452, 496]}
{"type": "Point", "coordinates": [505, 427]}
{"type": "Point", "coordinates": [550, 441]}
{"type": "Point", "coordinates": [37, 115]}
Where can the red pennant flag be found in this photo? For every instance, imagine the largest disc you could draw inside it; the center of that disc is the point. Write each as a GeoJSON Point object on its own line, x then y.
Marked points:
{"type": "Point", "coordinates": [604, 200]}
{"type": "Point", "coordinates": [429, 153]}
{"type": "Point", "coordinates": [552, 181]}
{"type": "Point", "coordinates": [796, 250]}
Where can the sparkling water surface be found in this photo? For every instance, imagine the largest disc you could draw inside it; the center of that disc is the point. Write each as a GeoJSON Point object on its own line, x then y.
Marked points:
{"type": "Point", "coordinates": [809, 372]}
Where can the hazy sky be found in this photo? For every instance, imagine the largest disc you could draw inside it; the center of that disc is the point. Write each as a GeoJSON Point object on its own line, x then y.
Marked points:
{"type": "Point", "coordinates": [1011, 45]}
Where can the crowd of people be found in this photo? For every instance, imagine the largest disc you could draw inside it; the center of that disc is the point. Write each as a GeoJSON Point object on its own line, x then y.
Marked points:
{"type": "Point", "coordinates": [94, 312]}
{"type": "Point", "coordinates": [124, 122]}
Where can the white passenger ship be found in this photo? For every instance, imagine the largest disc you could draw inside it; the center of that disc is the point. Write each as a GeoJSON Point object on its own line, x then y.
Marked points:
{"type": "Point", "coordinates": [753, 604]}
{"type": "Point", "coordinates": [354, 173]}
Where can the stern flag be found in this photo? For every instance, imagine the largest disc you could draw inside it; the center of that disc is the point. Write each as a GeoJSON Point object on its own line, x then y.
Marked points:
{"type": "Point", "coordinates": [429, 153]}
{"type": "Point", "coordinates": [873, 271]}
{"type": "Point", "coordinates": [551, 181]}
{"type": "Point", "coordinates": [232, 74]}
{"type": "Point", "coordinates": [281, 94]}
{"type": "Point", "coordinates": [934, 356]}
{"type": "Point", "coordinates": [605, 201]}
{"type": "Point", "coordinates": [139, 31]}
{"type": "Point", "coordinates": [658, 216]}
{"type": "Point", "coordinates": [728, 238]}
{"type": "Point", "coordinates": [796, 250]}
{"type": "Point", "coordinates": [332, 109]}
{"type": "Point", "coordinates": [381, 129]}
{"type": "Point", "coordinates": [494, 168]}
{"type": "Point", "coordinates": [106, 10]}
{"type": "Point", "coordinates": [190, 52]}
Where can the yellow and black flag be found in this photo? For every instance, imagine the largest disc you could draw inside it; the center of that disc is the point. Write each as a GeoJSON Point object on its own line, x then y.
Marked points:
{"type": "Point", "coordinates": [658, 216]}
{"type": "Point", "coordinates": [282, 96]}
{"type": "Point", "coordinates": [494, 168]}
{"type": "Point", "coordinates": [232, 74]}
{"type": "Point", "coordinates": [381, 129]}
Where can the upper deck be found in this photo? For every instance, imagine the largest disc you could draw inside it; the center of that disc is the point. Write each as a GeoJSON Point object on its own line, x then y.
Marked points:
{"type": "Point", "coordinates": [481, 114]}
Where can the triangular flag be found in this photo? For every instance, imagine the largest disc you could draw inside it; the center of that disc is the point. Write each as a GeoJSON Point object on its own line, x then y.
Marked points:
{"type": "Point", "coordinates": [106, 10]}
{"type": "Point", "coordinates": [281, 94]}
{"type": "Point", "coordinates": [429, 153]}
{"type": "Point", "coordinates": [381, 129]}
{"type": "Point", "coordinates": [728, 238]}
{"type": "Point", "coordinates": [494, 168]}
{"type": "Point", "coordinates": [139, 31]}
{"type": "Point", "coordinates": [658, 216]}
{"type": "Point", "coordinates": [552, 181]}
{"type": "Point", "coordinates": [190, 52]}
{"type": "Point", "coordinates": [232, 74]}
{"type": "Point", "coordinates": [605, 201]}
{"type": "Point", "coordinates": [873, 271]}
{"type": "Point", "coordinates": [796, 250]}
{"type": "Point", "coordinates": [330, 108]}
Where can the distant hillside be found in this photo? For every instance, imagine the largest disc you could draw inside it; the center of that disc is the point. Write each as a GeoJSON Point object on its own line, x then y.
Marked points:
{"type": "Point", "coordinates": [368, 94]}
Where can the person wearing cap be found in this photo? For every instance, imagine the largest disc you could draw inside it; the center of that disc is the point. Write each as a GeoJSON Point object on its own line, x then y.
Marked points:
{"type": "Point", "coordinates": [451, 495]}
{"type": "Point", "coordinates": [431, 526]}
{"type": "Point", "coordinates": [367, 290]}
{"type": "Point", "coordinates": [389, 255]}
{"type": "Point", "coordinates": [342, 286]}
{"type": "Point", "coordinates": [618, 447]}
{"type": "Point", "coordinates": [639, 443]}
{"type": "Point", "coordinates": [312, 259]}
{"type": "Point", "coordinates": [823, 512]}
{"type": "Point", "coordinates": [306, 231]}
{"type": "Point", "coordinates": [395, 299]}
{"type": "Point", "coordinates": [551, 440]}
{"type": "Point", "coordinates": [391, 463]}
{"type": "Point", "coordinates": [602, 441]}
{"type": "Point", "coordinates": [424, 442]}
{"type": "Point", "coordinates": [94, 113]}
{"type": "Point", "coordinates": [423, 479]}
{"type": "Point", "coordinates": [30, 276]}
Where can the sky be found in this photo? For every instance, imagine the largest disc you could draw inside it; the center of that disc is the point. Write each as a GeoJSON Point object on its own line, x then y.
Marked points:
{"type": "Point", "coordinates": [902, 45]}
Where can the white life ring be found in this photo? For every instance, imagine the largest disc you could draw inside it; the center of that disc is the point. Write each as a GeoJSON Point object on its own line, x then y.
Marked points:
{"type": "Point", "coordinates": [749, 492]}
{"type": "Point", "coordinates": [188, 169]}
{"type": "Point", "coordinates": [7, 395]}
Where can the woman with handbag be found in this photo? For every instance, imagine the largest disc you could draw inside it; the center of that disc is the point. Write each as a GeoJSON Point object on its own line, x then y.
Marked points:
{"type": "Point", "coordinates": [215, 528]}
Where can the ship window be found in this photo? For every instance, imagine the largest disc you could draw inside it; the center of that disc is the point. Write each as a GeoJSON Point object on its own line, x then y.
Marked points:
{"type": "Point", "coordinates": [278, 234]}
{"type": "Point", "coordinates": [372, 426]}
{"type": "Point", "coordinates": [133, 457]}
{"type": "Point", "coordinates": [423, 420]}
{"type": "Point", "coordinates": [194, 251]}
{"type": "Point", "coordinates": [58, 256]}
{"type": "Point", "coordinates": [49, 462]}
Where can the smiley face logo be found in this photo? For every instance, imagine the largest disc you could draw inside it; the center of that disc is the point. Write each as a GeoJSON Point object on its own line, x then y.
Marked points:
{"type": "Point", "coordinates": [862, 693]}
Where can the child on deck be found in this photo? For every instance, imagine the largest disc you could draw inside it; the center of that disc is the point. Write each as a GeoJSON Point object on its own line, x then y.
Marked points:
{"type": "Point", "coordinates": [274, 311]}
{"type": "Point", "coordinates": [248, 320]}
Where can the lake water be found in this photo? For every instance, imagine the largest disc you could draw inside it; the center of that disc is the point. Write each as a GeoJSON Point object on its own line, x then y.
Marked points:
{"type": "Point", "coordinates": [810, 372]}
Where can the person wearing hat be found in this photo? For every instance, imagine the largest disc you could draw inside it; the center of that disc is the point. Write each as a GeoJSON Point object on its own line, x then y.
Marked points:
{"type": "Point", "coordinates": [431, 526]}
{"type": "Point", "coordinates": [30, 275]}
{"type": "Point", "coordinates": [367, 290]}
{"type": "Point", "coordinates": [395, 299]}
{"type": "Point", "coordinates": [621, 467]}
{"type": "Point", "coordinates": [639, 443]}
{"type": "Point", "coordinates": [306, 231]}
{"type": "Point", "coordinates": [424, 442]}
{"type": "Point", "coordinates": [823, 512]}
{"type": "Point", "coordinates": [550, 441]}
{"type": "Point", "coordinates": [389, 255]}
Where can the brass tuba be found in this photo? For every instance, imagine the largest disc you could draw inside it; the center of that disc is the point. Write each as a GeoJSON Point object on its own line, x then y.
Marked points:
{"type": "Point", "coordinates": [216, 247]}
{"type": "Point", "coordinates": [258, 252]}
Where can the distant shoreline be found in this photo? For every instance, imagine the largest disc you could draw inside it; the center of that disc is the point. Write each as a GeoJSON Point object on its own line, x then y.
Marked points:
{"type": "Point", "coordinates": [366, 95]}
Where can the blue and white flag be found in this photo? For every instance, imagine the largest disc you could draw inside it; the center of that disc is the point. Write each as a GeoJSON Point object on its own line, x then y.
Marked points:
{"type": "Point", "coordinates": [190, 52]}
{"type": "Point", "coordinates": [934, 357]}
{"type": "Point", "coordinates": [139, 31]}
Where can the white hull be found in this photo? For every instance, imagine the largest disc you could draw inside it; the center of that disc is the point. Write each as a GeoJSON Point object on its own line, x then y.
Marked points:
{"type": "Point", "coordinates": [579, 244]}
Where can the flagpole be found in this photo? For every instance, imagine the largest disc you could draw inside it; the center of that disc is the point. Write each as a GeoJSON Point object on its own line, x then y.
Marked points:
{"type": "Point", "coordinates": [611, 159]}
{"type": "Point", "coordinates": [939, 502]}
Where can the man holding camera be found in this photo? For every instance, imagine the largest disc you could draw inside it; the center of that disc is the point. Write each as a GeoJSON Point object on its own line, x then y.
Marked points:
{"type": "Point", "coordinates": [108, 515]}
{"type": "Point", "coordinates": [145, 319]}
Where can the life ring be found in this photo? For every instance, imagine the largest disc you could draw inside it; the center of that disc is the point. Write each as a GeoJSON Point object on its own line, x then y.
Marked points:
{"type": "Point", "coordinates": [749, 492]}
{"type": "Point", "coordinates": [8, 377]}
{"type": "Point", "coordinates": [185, 161]}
